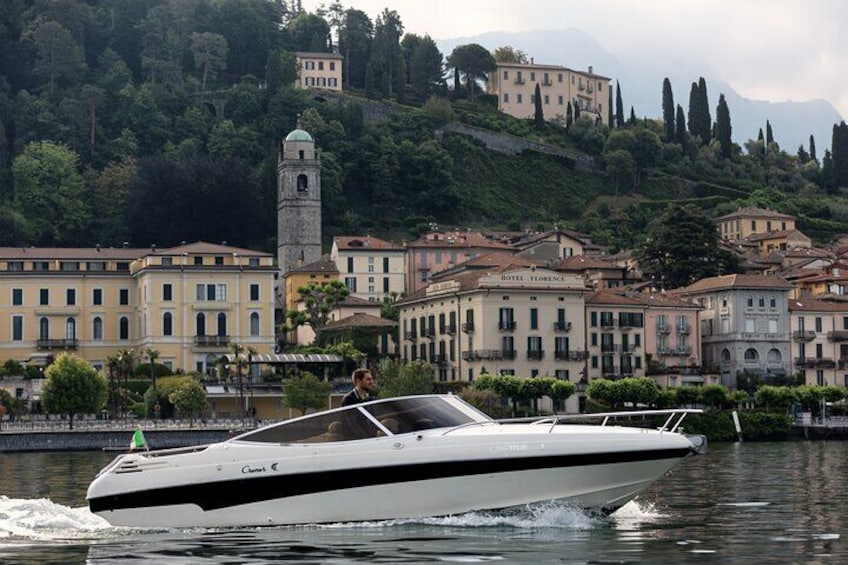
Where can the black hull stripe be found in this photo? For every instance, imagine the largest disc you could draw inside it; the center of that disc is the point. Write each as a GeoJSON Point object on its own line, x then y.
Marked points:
{"type": "Point", "coordinates": [224, 494]}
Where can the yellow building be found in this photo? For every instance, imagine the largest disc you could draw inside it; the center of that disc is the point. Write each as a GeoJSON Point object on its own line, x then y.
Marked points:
{"type": "Point", "coordinates": [515, 86]}
{"type": "Point", "coordinates": [746, 222]}
{"type": "Point", "coordinates": [190, 303]}
{"type": "Point", "coordinates": [319, 70]}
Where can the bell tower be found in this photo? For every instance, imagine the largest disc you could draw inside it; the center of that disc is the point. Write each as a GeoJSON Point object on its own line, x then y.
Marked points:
{"type": "Point", "coordinates": [298, 202]}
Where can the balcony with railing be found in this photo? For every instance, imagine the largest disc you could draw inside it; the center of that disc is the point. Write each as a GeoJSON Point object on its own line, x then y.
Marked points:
{"type": "Point", "coordinates": [506, 325]}
{"type": "Point", "coordinates": [843, 363]}
{"type": "Point", "coordinates": [429, 333]}
{"type": "Point", "coordinates": [684, 329]}
{"type": "Point", "coordinates": [562, 326]}
{"type": "Point", "coordinates": [607, 324]}
{"type": "Point", "coordinates": [449, 329]}
{"type": "Point", "coordinates": [410, 336]}
{"type": "Point", "coordinates": [562, 355]}
{"type": "Point", "coordinates": [509, 353]}
{"type": "Point", "coordinates": [663, 329]}
{"type": "Point", "coordinates": [578, 355]}
{"type": "Point", "coordinates": [468, 327]}
{"type": "Point", "coordinates": [519, 80]}
{"type": "Point", "coordinates": [610, 348]}
{"type": "Point", "coordinates": [626, 325]}
{"type": "Point", "coordinates": [546, 82]}
{"type": "Point", "coordinates": [838, 335]}
{"type": "Point", "coordinates": [58, 343]}
{"type": "Point", "coordinates": [803, 335]}
{"type": "Point", "coordinates": [212, 340]}
{"type": "Point", "coordinates": [535, 354]}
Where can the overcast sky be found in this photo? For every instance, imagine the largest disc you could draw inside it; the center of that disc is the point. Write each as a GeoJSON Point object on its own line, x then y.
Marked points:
{"type": "Point", "coordinates": [773, 50]}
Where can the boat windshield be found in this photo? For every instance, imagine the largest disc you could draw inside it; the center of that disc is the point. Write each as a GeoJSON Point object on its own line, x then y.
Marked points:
{"type": "Point", "coordinates": [397, 416]}
{"type": "Point", "coordinates": [403, 415]}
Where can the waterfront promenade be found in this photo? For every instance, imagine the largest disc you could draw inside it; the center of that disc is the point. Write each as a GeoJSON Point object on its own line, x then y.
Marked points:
{"type": "Point", "coordinates": [95, 435]}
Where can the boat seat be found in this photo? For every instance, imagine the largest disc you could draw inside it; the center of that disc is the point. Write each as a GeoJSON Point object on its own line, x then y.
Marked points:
{"type": "Point", "coordinates": [391, 424]}
{"type": "Point", "coordinates": [334, 431]}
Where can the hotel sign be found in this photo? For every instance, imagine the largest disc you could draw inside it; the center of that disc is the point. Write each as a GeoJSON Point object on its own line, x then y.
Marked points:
{"type": "Point", "coordinates": [536, 278]}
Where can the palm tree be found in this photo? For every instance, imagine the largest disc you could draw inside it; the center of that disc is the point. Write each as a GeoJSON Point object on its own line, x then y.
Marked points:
{"type": "Point", "coordinates": [152, 356]}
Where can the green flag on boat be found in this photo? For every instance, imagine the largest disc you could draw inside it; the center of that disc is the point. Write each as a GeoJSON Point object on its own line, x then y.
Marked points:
{"type": "Point", "coordinates": [138, 440]}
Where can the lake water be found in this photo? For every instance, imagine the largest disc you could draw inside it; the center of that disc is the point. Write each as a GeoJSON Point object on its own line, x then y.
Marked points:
{"type": "Point", "coordinates": [761, 503]}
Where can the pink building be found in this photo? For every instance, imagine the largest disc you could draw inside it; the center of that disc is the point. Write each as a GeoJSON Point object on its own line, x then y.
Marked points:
{"type": "Point", "coordinates": [437, 251]}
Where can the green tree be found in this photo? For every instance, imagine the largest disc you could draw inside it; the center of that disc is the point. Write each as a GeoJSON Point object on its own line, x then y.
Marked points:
{"type": "Point", "coordinates": [426, 68]}
{"type": "Point", "coordinates": [813, 149]}
{"type": "Point", "coordinates": [682, 247]}
{"type": "Point", "coordinates": [569, 116]}
{"type": "Point", "coordinates": [778, 398]}
{"type": "Point", "coordinates": [398, 378]}
{"type": "Point", "coordinates": [73, 387]}
{"type": "Point", "coordinates": [723, 127]}
{"type": "Point", "coordinates": [306, 391]}
{"type": "Point", "coordinates": [319, 300]}
{"type": "Point", "coordinates": [210, 56]}
{"type": "Point", "coordinates": [769, 134]}
{"type": "Point", "coordinates": [621, 166]}
{"type": "Point", "coordinates": [680, 126]}
{"type": "Point", "coordinates": [561, 391]}
{"type": "Point", "coordinates": [839, 154]}
{"type": "Point", "coordinates": [619, 107]}
{"type": "Point", "coordinates": [49, 192]}
{"type": "Point", "coordinates": [386, 57]}
{"type": "Point", "coordinates": [610, 113]}
{"type": "Point", "coordinates": [59, 58]}
{"type": "Point", "coordinates": [281, 69]}
{"type": "Point", "coordinates": [509, 54]}
{"type": "Point", "coordinates": [668, 110]}
{"type": "Point", "coordinates": [474, 62]}
{"type": "Point", "coordinates": [355, 36]}
{"type": "Point", "coordinates": [715, 396]}
{"type": "Point", "coordinates": [310, 32]}
{"type": "Point", "coordinates": [190, 397]}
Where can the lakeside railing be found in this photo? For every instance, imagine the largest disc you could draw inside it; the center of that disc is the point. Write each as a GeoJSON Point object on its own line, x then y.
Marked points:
{"type": "Point", "coordinates": [23, 426]}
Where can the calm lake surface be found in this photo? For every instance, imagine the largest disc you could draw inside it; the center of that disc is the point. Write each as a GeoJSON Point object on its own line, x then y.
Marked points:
{"type": "Point", "coordinates": [760, 503]}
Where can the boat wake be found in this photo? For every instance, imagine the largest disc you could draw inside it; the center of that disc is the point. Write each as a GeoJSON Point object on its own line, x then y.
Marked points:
{"type": "Point", "coordinates": [42, 519]}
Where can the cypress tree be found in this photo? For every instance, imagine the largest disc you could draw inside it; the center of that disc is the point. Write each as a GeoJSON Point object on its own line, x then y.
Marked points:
{"type": "Point", "coordinates": [803, 156]}
{"type": "Point", "coordinates": [619, 107]}
{"type": "Point", "coordinates": [539, 117]}
{"type": "Point", "coordinates": [813, 149]}
{"type": "Point", "coordinates": [723, 128]}
{"type": "Point", "coordinates": [760, 136]}
{"type": "Point", "coordinates": [632, 120]}
{"type": "Point", "coordinates": [680, 126]}
{"type": "Point", "coordinates": [839, 154]}
{"type": "Point", "coordinates": [610, 117]}
{"type": "Point", "coordinates": [705, 122]}
{"type": "Point", "coordinates": [769, 134]}
{"type": "Point", "coordinates": [826, 173]}
{"type": "Point", "coordinates": [668, 110]}
{"type": "Point", "coordinates": [576, 111]}
{"type": "Point", "coordinates": [693, 110]}
{"type": "Point", "coordinates": [569, 116]}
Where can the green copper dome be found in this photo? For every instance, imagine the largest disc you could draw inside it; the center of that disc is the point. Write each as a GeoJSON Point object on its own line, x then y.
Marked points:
{"type": "Point", "coordinates": [298, 135]}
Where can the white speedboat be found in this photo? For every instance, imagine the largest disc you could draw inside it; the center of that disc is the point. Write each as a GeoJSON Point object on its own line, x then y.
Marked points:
{"type": "Point", "coordinates": [408, 457]}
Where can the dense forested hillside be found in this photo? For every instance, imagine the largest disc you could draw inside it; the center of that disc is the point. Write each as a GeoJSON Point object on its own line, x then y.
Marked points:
{"type": "Point", "coordinates": [158, 121]}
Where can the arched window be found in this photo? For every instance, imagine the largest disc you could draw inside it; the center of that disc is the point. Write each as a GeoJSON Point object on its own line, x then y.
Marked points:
{"type": "Point", "coordinates": [774, 357]}
{"type": "Point", "coordinates": [44, 328]}
{"type": "Point", "coordinates": [725, 356]}
{"type": "Point", "coordinates": [167, 324]}
{"type": "Point", "coordinates": [124, 327]}
{"type": "Point", "coordinates": [97, 328]}
{"type": "Point", "coordinates": [254, 324]}
{"type": "Point", "coordinates": [302, 183]}
{"type": "Point", "coordinates": [751, 355]}
{"type": "Point", "coordinates": [222, 324]}
{"type": "Point", "coordinates": [70, 328]}
{"type": "Point", "coordinates": [201, 323]}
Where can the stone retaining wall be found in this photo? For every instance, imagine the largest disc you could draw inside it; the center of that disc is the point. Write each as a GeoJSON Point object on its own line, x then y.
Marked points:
{"type": "Point", "coordinates": [11, 442]}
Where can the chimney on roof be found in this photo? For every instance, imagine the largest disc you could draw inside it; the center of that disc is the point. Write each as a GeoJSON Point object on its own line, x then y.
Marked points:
{"type": "Point", "coordinates": [224, 242]}
{"type": "Point", "coordinates": [531, 60]}
{"type": "Point", "coordinates": [126, 244]}
{"type": "Point", "coordinates": [590, 69]}
{"type": "Point", "coordinates": [97, 247]}
{"type": "Point", "coordinates": [182, 242]}
{"type": "Point", "coordinates": [153, 248]}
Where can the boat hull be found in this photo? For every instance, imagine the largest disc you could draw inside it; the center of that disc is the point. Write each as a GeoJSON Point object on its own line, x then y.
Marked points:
{"type": "Point", "coordinates": [535, 471]}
